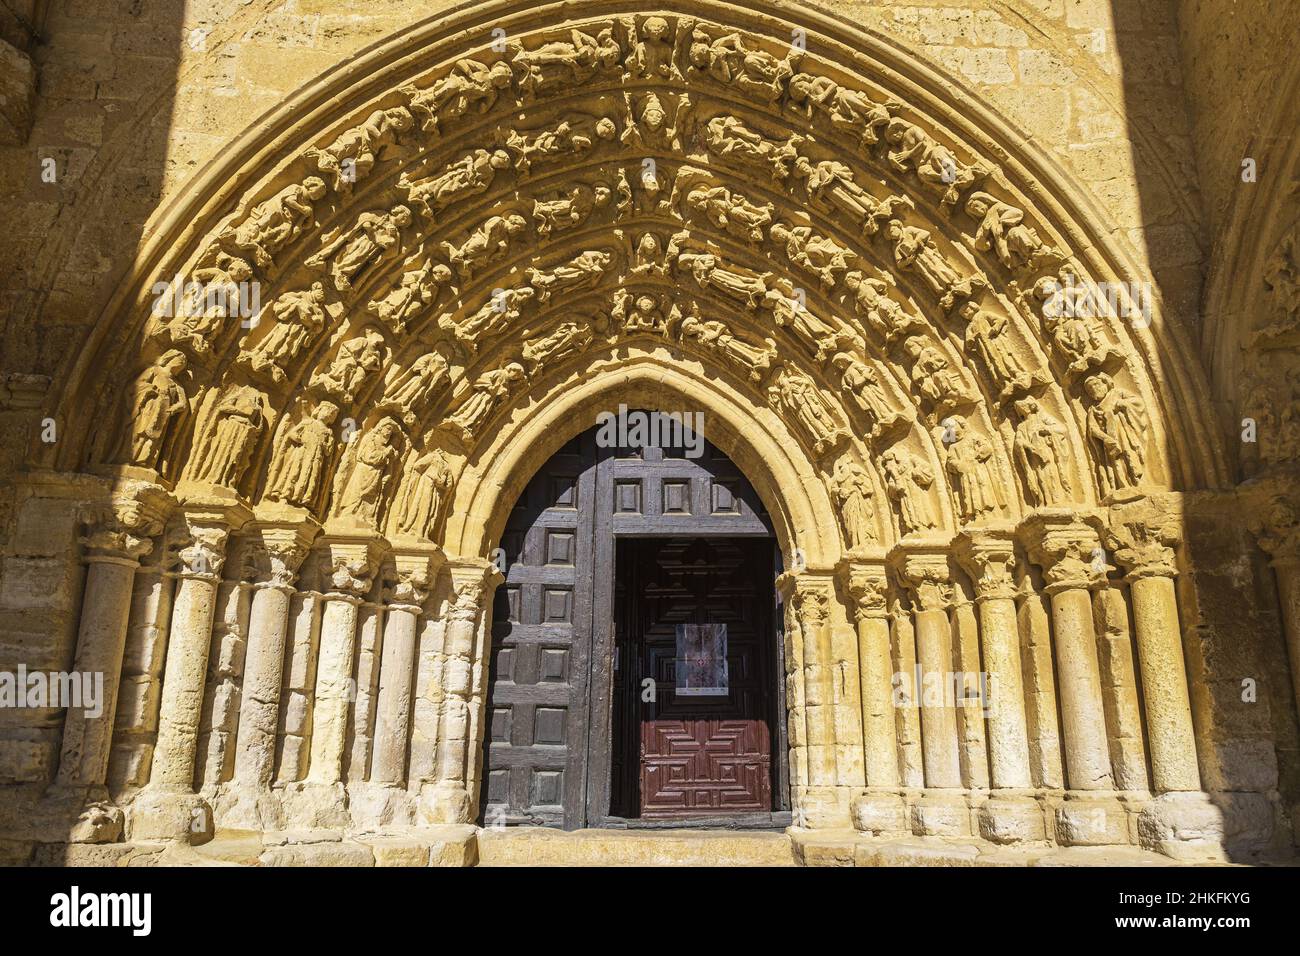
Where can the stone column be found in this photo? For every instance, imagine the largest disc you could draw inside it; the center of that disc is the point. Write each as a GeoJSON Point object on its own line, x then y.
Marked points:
{"type": "Point", "coordinates": [922, 568]}
{"type": "Point", "coordinates": [279, 548]}
{"type": "Point", "coordinates": [1278, 530]}
{"type": "Point", "coordinates": [1069, 552]}
{"type": "Point", "coordinates": [114, 543]}
{"type": "Point", "coordinates": [880, 810]}
{"type": "Point", "coordinates": [168, 808]}
{"type": "Point", "coordinates": [450, 798]}
{"type": "Point", "coordinates": [1181, 822]}
{"type": "Point", "coordinates": [1010, 815]}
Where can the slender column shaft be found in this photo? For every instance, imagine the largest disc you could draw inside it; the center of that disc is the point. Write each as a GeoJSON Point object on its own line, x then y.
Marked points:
{"type": "Point", "coordinates": [396, 675]}
{"type": "Point", "coordinates": [879, 733]}
{"type": "Point", "coordinates": [333, 688]}
{"type": "Point", "coordinates": [1087, 754]}
{"type": "Point", "coordinates": [259, 715]}
{"type": "Point", "coordinates": [1008, 732]}
{"type": "Point", "coordinates": [938, 716]}
{"type": "Point", "coordinates": [1164, 683]}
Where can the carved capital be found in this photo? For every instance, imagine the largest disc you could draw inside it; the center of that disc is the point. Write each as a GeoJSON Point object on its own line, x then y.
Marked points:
{"type": "Point", "coordinates": [415, 576]}
{"type": "Point", "coordinates": [923, 570]}
{"type": "Point", "coordinates": [989, 557]}
{"type": "Point", "coordinates": [1067, 549]}
{"type": "Point", "coordinates": [1278, 530]}
{"type": "Point", "coordinates": [199, 552]}
{"type": "Point", "coordinates": [473, 582]}
{"type": "Point", "coordinates": [1145, 535]}
{"type": "Point", "coordinates": [868, 586]}
{"type": "Point", "coordinates": [121, 529]}
{"type": "Point", "coordinates": [350, 566]}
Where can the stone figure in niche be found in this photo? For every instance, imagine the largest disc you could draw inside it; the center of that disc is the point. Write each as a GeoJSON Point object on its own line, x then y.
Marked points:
{"type": "Point", "coordinates": [831, 186]}
{"type": "Point", "coordinates": [819, 255]}
{"type": "Point", "coordinates": [362, 496]}
{"type": "Point", "coordinates": [1117, 426]}
{"type": "Point", "coordinates": [972, 470]}
{"type": "Point", "coordinates": [471, 175]}
{"type": "Point", "coordinates": [299, 317]}
{"type": "Point", "coordinates": [417, 291]}
{"type": "Point", "coordinates": [651, 49]}
{"type": "Point", "coordinates": [1069, 318]}
{"type": "Point", "coordinates": [729, 138]}
{"type": "Point", "coordinates": [756, 361]}
{"type": "Point", "coordinates": [574, 136]}
{"type": "Point", "coordinates": [374, 238]}
{"type": "Point", "coordinates": [488, 393]}
{"type": "Point", "coordinates": [798, 396]}
{"type": "Point", "coordinates": [729, 211]}
{"type": "Point", "coordinates": [640, 313]}
{"type": "Point", "coordinates": [584, 271]}
{"type": "Point", "coordinates": [236, 424]}
{"type": "Point", "coordinates": [860, 382]}
{"type": "Point", "coordinates": [274, 222]}
{"type": "Point", "coordinates": [849, 110]}
{"type": "Point", "coordinates": [156, 408]}
{"type": "Point", "coordinates": [906, 480]}
{"type": "Point", "coordinates": [569, 63]}
{"type": "Point", "coordinates": [914, 250]}
{"type": "Point", "coordinates": [208, 307]}
{"type": "Point", "coordinates": [299, 463]}
{"type": "Point", "coordinates": [707, 270]}
{"type": "Point", "coordinates": [412, 389]}
{"type": "Point", "coordinates": [499, 313]}
{"type": "Point", "coordinates": [824, 337]}
{"type": "Point", "coordinates": [987, 339]}
{"type": "Point", "coordinates": [568, 338]}
{"type": "Point", "coordinates": [648, 127]}
{"type": "Point", "coordinates": [872, 301]}
{"type": "Point", "coordinates": [485, 244]}
{"type": "Point", "coordinates": [935, 164]}
{"type": "Point", "coordinates": [570, 209]}
{"type": "Point", "coordinates": [1282, 279]}
{"type": "Point", "coordinates": [353, 155]}
{"type": "Point", "coordinates": [854, 494]}
{"type": "Point", "coordinates": [1002, 228]}
{"type": "Point", "coordinates": [648, 258]}
{"type": "Point", "coordinates": [425, 496]}
{"type": "Point", "coordinates": [933, 377]}
{"type": "Point", "coordinates": [1041, 449]}
{"type": "Point", "coordinates": [470, 86]}
{"type": "Point", "coordinates": [357, 359]}
{"type": "Point", "coordinates": [731, 62]}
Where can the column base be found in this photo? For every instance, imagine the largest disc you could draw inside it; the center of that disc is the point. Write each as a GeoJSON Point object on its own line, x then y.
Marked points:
{"type": "Point", "coordinates": [939, 813]}
{"type": "Point", "coordinates": [170, 815]}
{"type": "Point", "coordinates": [248, 807]}
{"type": "Point", "coordinates": [373, 805]}
{"type": "Point", "coordinates": [823, 808]}
{"type": "Point", "coordinates": [880, 814]}
{"type": "Point", "coordinates": [70, 813]}
{"type": "Point", "coordinates": [315, 806]}
{"type": "Point", "coordinates": [1184, 826]}
{"type": "Point", "coordinates": [1008, 818]}
{"type": "Point", "coordinates": [1091, 819]}
{"type": "Point", "coordinates": [442, 803]}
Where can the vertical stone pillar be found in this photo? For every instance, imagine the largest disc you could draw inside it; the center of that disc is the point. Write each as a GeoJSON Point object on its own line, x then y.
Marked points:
{"type": "Point", "coordinates": [1010, 815]}
{"type": "Point", "coordinates": [1278, 531]}
{"type": "Point", "coordinates": [114, 543]}
{"type": "Point", "coordinates": [168, 808]}
{"type": "Point", "coordinates": [1181, 821]}
{"type": "Point", "coordinates": [450, 798]}
{"type": "Point", "coordinates": [1069, 552]}
{"type": "Point", "coordinates": [279, 547]}
{"type": "Point", "coordinates": [907, 708]}
{"type": "Point", "coordinates": [922, 568]}
{"type": "Point", "coordinates": [880, 810]}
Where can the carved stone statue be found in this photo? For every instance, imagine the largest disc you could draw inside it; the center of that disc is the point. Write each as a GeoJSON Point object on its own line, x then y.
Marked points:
{"type": "Point", "coordinates": [354, 153]}
{"type": "Point", "coordinates": [1117, 425]}
{"type": "Point", "coordinates": [712, 335]}
{"type": "Point", "coordinates": [208, 308]}
{"type": "Point", "coordinates": [485, 244]}
{"type": "Point", "coordinates": [707, 270]}
{"type": "Point", "coordinates": [369, 471]}
{"type": "Point", "coordinates": [568, 338]}
{"type": "Point", "coordinates": [1002, 228]}
{"type": "Point", "coordinates": [648, 127]}
{"type": "Point", "coordinates": [824, 336]}
{"type": "Point", "coordinates": [640, 312]}
{"type": "Point", "coordinates": [274, 222]}
{"type": "Point", "coordinates": [569, 63]}
{"type": "Point", "coordinates": [854, 494]}
{"type": "Point", "coordinates": [831, 186]}
{"type": "Point", "coordinates": [411, 389]}
{"type": "Point", "coordinates": [299, 317]}
{"type": "Point", "coordinates": [488, 393]}
{"type": "Point", "coordinates": [571, 209]}
{"type": "Point", "coordinates": [819, 255]}
{"type": "Point", "coordinates": [859, 381]}
{"type": "Point", "coordinates": [1068, 317]}
{"type": "Point", "coordinates": [300, 461]}
{"type": "Point", "coordinates": [584, 271]}
{"type": "Point", "coordinates": [156, 407]}
{"type": "Point", "coordinates": [850, 110]}
{"type": "Point", "coordinates": [972, 471]}
{"type": "Point", "coordinates": [575, 135]}
{"type": "Point", "coordinates": [730, 211]}
{"type": "Point", "coordinates": [906, 481]}
{"type": "Point", "coordinates": [798, 396]}
{"type": "Point", "coordinates": [935, 164]}
{"type": "Point", "coordinates": [731, 62]}
{"type": "Point", "coordinates": [987, 339]}
{"type": "Point", "coordinates": [425, 496]}
{"type": "Point", "coordinates": [872, 301]}
{"type": "Point", "coordinates": [374, 238]}
{"type": "Point", "coordinates": [915, 251]}
{"type": "Point", "coordinates": [235, 425]}
{"type": "Point", "coordinates": [730, 139]}
{"type": "Point", "coordinates": [651, 49]}
{"type": "Point", "coordinates": [417, 291]}
{"type": "Point", "coordinates": [1041, 448]}
{"type": "Point", "coordinates": [470, 86]}
{"type": "Point", "coordinates": [499, 313]}
{"type": "Point", "coordinates": [469, 176]}
{"type": "Point", "coordinates": [933, 377]}
{"type": "Point", "coordinates": [357, 359]}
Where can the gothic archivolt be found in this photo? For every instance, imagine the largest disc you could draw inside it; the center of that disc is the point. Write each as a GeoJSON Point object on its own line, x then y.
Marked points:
{"type": "Point", "coordinates": [885, 313]}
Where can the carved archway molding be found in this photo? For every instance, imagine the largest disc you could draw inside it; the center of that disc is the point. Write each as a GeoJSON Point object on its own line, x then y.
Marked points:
{"type": "Point", "coordinates": [873, 295]}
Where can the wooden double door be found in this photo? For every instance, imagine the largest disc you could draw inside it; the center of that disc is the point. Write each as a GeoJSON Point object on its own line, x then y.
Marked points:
{"type": "Point", "coordinates": [635, 672]}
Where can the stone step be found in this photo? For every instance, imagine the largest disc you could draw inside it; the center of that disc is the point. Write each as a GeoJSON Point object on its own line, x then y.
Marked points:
{"type": "Point", "coordinates": [538, 846]}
